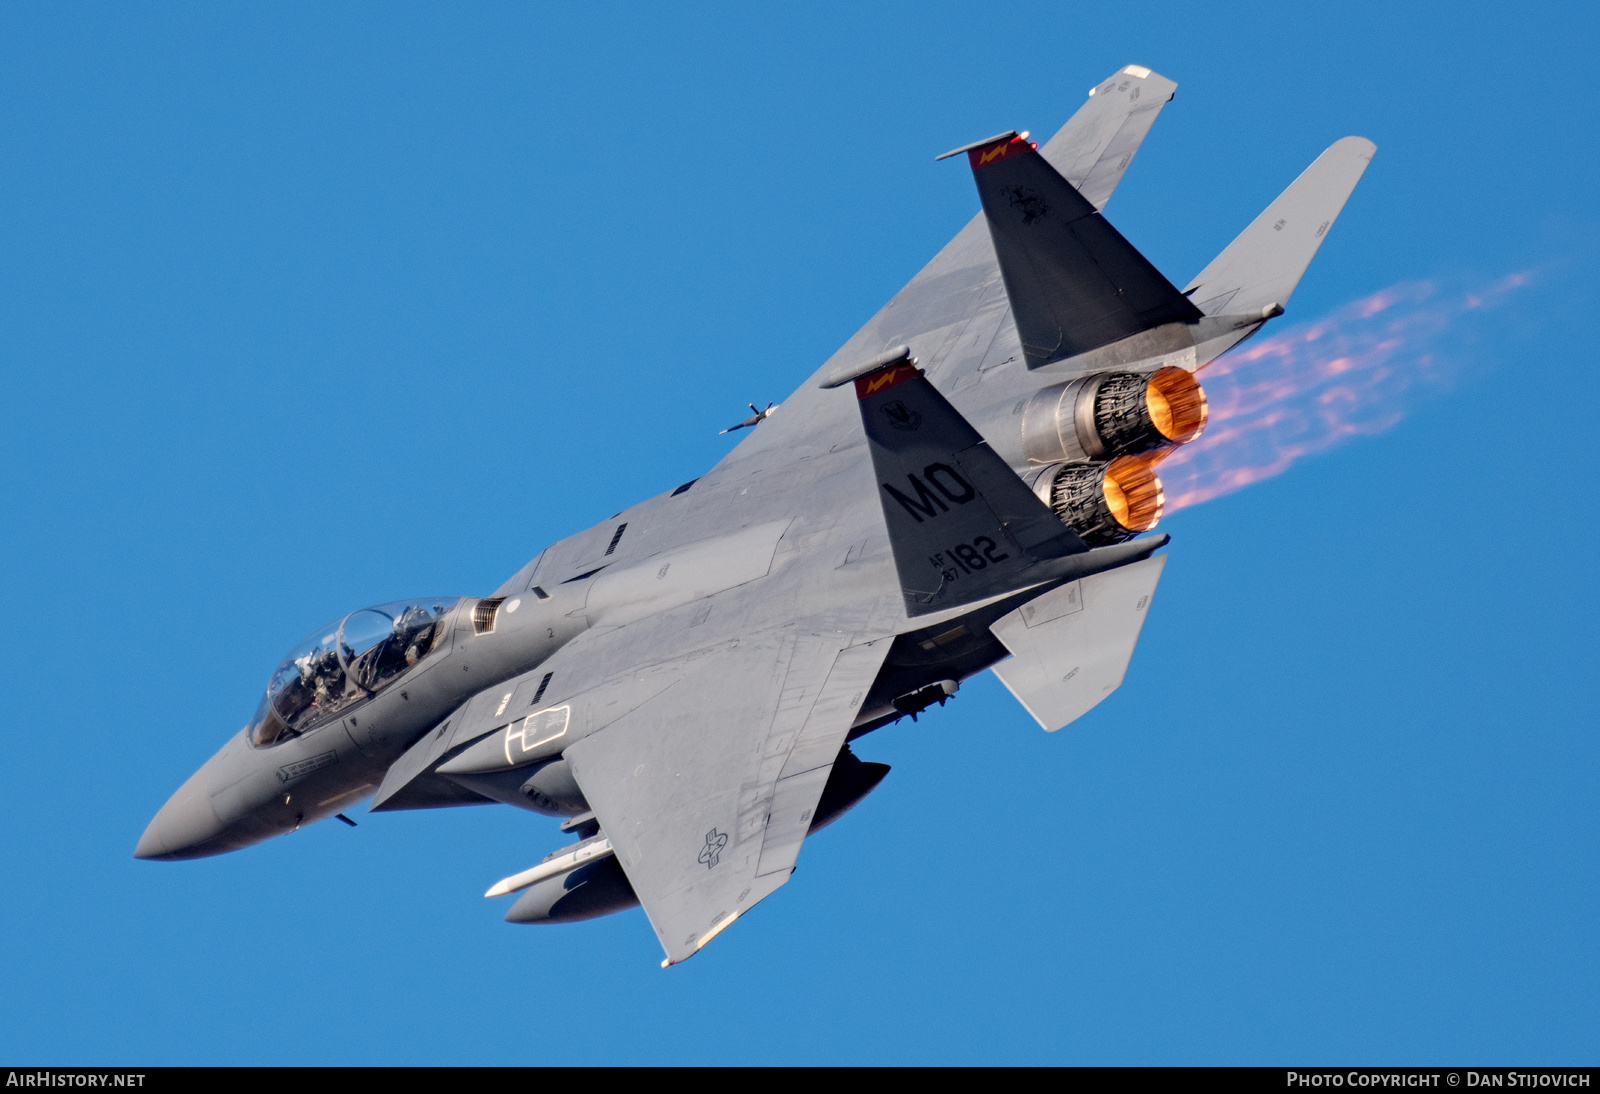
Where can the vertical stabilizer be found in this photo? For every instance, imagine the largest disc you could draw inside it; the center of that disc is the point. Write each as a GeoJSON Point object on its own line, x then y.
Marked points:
{"type": "Point", "coordinates": [1094, 148]}
{"type": "Point", "coordinates": [962, 525]}
{"type": "Point", "coordinates": [1074, 282]}
{"type": "Point", "coordinates": [1263, 265]}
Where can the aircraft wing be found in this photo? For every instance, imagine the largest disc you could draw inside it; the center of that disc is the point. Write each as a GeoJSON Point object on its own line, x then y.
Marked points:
{"type": "Point", "coordinates": [707, 790]}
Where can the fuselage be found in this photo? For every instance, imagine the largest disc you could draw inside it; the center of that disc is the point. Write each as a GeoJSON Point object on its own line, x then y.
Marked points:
{"type": "Point", "coordinates": [804, 468]}
{"type": "Point", "coordinates": [252, 790]}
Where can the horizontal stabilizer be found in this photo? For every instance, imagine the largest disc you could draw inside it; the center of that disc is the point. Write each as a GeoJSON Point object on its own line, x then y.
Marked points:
{"type": "Point", "coordinates": [1263, 266]}
{"type": "Point", "coordinates": [1071, 646]}
{"type": "Point", "coordinates": [962, 525]}
{"type": "Point", "coordinates": [1074, 282]}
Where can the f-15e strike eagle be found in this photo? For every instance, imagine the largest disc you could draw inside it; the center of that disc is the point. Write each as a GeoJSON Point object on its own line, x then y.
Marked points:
{"type": "Point", "coordinates": [682, 682]}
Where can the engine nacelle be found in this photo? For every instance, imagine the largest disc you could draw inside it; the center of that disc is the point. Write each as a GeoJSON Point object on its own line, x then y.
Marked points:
{"type": "Point", "coordinates": [1103, 503]}
{"type": "Point", "coordinates": [1112, 414]}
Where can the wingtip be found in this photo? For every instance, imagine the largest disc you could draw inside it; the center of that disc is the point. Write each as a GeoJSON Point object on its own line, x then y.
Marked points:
{"type": "Point", "coordinates": [1363, 147]}
{"type": "Point", "coordinates": [1147, 76]}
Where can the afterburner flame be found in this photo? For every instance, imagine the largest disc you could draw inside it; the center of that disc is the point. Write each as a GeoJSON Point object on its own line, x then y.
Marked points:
{"type": "Point", "coordinates": [1177, 405]}
{"type": "Point", "coordinates": [1133, 493]}
{"type": "Point", "coordinates": [1275, 401]}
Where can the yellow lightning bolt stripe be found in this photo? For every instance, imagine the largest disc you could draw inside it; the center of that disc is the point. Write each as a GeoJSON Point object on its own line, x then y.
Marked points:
{"type": "Point", "coordinates": [882, 380]}
{"type": "Point", "coordinates": [994, 153]}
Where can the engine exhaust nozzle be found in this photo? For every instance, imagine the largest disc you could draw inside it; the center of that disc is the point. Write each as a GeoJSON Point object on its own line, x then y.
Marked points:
{"type": "Point", "coordinates": [1104, 503]}
{"type": "Point", "coordinates": [1111, 414]}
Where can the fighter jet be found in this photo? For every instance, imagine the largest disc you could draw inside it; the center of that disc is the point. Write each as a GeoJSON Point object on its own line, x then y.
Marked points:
{"type": "Point", "coordinates": [965, 485]}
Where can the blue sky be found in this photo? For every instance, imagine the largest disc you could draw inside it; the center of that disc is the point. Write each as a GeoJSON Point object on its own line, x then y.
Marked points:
{"type": "Point", "coordinates": [305, 308]}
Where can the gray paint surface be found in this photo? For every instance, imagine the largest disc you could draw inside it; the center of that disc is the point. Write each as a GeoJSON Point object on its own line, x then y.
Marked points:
{"type": "Point", "coordinates": [683, 675]}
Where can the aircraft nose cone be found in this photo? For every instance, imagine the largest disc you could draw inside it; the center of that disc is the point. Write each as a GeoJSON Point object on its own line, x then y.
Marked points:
{"type": "Point", "coordinates": [183, 826]}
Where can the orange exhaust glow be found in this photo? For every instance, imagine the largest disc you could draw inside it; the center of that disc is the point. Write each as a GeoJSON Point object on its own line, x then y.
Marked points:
{"type": "Point", "coordinates": [1133, 492]}
{"type": "Point", "coordinates": [1278, 400]}
{"type": "Point", "coordinates": [1177, 405]}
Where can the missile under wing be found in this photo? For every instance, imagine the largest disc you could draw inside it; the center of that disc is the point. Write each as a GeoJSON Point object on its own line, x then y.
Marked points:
{"type": "Point", "coordinates": [967, 484]}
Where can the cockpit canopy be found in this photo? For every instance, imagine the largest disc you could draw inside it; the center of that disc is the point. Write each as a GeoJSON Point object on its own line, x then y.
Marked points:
{"type": "Point", "coordinates": [346, 662]}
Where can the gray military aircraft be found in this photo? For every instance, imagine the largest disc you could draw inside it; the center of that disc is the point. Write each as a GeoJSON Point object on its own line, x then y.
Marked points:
{"type": "Point", "coordinates": [682, 682]}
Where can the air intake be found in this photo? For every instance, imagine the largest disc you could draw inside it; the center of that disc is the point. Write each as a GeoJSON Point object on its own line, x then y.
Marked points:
{"type": "Point", "coordinates": [483, 615]}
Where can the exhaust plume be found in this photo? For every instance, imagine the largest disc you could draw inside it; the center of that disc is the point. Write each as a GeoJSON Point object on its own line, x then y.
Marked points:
{"type": "Point", "coordinates": [1275, 401]}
